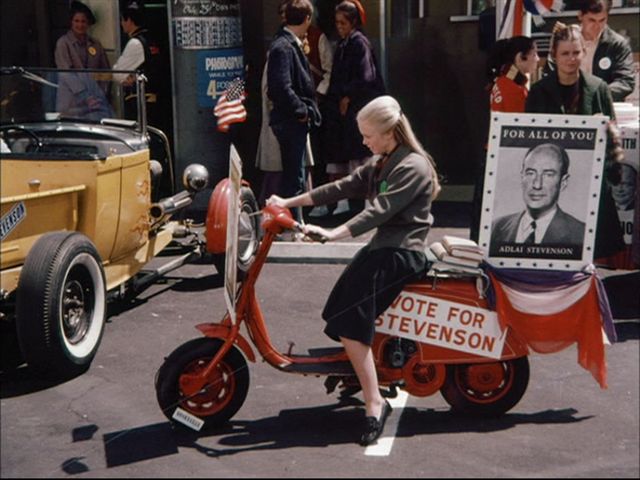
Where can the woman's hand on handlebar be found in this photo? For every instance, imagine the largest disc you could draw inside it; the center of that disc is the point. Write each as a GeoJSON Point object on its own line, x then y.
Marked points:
{"type": "Point", "coordinates": [316, 233]}
{"type": "Point", "coordinates": [277, 201]}
{"type": "Point", "coordinates": [302, 200]}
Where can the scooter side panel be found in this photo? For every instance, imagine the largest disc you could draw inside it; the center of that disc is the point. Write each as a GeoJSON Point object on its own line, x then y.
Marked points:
{"type": "Point", "coordinates": [459, 291]}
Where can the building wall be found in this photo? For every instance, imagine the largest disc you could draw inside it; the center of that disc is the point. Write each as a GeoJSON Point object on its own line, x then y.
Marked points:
{"type": "Point", "coordinates": [436, 70]}
{"type": "Point", "coordinates": [437, 73]}
{"type": "Point", "coordinates": [433, 65]}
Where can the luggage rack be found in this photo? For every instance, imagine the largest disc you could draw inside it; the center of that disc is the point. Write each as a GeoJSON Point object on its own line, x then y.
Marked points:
{"type": "Point", "coordinates": [438, 270]}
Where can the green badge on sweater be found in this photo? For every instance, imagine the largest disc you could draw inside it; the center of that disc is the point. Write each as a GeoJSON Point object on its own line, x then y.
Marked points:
{"type": "Point", "coordinates": [383, 186]}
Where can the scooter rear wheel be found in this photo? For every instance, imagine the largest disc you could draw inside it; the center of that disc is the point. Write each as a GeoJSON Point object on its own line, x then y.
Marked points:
{"type": "Point", "coordinates": [217, 401]}
{"type": "Point", "coordinates": [486, 389]}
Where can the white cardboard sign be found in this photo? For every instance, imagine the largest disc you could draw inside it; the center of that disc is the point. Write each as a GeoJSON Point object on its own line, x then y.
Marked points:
{"type": "Point", "coordinates": [446, 324]}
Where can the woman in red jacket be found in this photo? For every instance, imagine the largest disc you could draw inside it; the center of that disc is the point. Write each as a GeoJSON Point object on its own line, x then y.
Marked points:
{"type": "Point", "coordinates": [510, 64]}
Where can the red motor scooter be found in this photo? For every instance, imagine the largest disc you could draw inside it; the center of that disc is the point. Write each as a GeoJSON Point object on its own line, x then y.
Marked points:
{"type": "Point", "coordinates": [439, 335]}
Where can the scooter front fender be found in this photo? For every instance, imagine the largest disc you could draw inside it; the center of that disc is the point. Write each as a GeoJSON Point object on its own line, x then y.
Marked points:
{"type": "Point", "coordinates": [216, 330]}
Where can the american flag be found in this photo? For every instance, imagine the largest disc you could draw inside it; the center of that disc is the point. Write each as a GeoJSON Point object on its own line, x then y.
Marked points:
{"type": "Point", "coordinates": [229, 108]}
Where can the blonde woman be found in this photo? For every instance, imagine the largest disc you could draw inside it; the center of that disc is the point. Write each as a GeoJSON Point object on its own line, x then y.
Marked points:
{"type": "Point", "coordinates": [570, 91]}
{"type": "Point", "coordinates": [400, 182]}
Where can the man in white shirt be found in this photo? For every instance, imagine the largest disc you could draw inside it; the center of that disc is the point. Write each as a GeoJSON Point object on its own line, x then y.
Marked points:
{"type": "Point", "coordinates": [133, 55]}
{"type": "Point", "coordinates": [608, 54]}
{"type": "Point", "coordinates": [139, 54]}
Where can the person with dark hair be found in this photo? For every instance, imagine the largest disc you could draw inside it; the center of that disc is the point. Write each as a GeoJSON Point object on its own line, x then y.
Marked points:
{"type": "Point", "coordinates": [268, 152]}
{"type": "Point", "coordinates": [77, 49]}
{"type": "Point", "coordinates": [568, 90]}
{"type": "Point", "coordinates": [319, 51]}
{"type": "Point", "coordinates": [607, 53]}
{"type": "Point", "coordinates": [544, 174]}
{"type": "Point", "coordinates": [133, 55]}
{"type": "Point", "coordinates": [510, 65]}
{"type": "Point", "coordinates": [140, 53]}
{"type": "Point", "coordinates": [291, 89]}
{"type": "Point", "coordinates": [400, 181]}
{"type": "Point", "coordinates": [622, 178]}
{"type": "Point", "coordinates": [355, 80]}
{"type": "Point", "coordinates": [79, 95]}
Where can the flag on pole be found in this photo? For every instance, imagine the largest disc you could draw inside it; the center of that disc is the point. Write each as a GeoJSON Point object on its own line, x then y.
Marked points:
{"type": "Point", "coordinates": [538, 8]}
{"type": "Point", "coordinates": [511, 21]}
{"type": "Point", "coordinates": [230, 108]}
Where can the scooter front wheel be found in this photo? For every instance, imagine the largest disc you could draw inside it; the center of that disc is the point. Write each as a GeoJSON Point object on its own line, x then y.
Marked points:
{"type": "Point", "coordinates": [486, 389]}
{"type": "Point", "coordinates": [220, 398]}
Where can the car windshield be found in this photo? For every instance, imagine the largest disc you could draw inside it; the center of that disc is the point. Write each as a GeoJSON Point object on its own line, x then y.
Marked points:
{"type": "Point", "coordinates": [38, 94]}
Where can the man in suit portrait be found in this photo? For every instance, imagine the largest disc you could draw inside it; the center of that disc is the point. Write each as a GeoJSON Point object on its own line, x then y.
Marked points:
{"type": "Point", "coordinates": [544, 174]}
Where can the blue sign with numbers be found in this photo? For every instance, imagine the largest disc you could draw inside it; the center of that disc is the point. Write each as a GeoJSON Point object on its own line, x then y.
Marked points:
{"type": "Point", "coordinates": [216, 70]}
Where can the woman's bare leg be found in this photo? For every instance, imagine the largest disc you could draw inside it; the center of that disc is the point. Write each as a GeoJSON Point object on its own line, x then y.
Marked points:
{"type": "Point", "coordinates": [361, 357]}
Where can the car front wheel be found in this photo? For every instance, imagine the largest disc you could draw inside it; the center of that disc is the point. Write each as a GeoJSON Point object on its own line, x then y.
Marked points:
{"type": "Point", "coordinates": [61, 303]}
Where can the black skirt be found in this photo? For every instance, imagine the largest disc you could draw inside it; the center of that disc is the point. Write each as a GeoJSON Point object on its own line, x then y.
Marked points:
{"type": "Point", "coordinates": [366, 288]}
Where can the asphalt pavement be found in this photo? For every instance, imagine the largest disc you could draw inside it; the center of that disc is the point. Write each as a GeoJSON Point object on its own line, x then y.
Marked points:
{"type": "Point", "coordinates": [107, 423]}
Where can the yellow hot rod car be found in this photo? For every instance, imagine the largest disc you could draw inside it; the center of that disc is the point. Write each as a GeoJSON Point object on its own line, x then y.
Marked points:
{"type": "Point", "coordinates": [77, 212]}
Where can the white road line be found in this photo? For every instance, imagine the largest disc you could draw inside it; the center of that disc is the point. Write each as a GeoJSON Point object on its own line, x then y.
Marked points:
{"type": "Point", "coordinates": [383, 447]}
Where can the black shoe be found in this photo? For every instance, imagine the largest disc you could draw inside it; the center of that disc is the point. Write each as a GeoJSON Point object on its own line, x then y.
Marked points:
{"type": "Point", "coordinates": [373, 427]}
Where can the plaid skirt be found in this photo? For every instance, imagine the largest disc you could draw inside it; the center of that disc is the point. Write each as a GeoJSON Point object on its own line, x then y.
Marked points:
{"type": "Point", "coordinates": [366, 288]}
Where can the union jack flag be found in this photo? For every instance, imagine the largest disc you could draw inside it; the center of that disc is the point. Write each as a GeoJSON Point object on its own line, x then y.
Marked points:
{"type": "Point", "coordinates": [511, 23]}
{"type": "Point", "coordinates": [230, 108]}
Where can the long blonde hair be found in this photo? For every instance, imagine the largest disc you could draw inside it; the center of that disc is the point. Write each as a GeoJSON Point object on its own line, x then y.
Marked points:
{"type": "Point", "coordinates": [384, 114]}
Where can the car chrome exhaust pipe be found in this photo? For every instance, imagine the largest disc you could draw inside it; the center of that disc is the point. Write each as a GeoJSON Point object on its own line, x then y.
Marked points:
{"type": "Point", "coordinates": [195, 178]}
{"type": "Point", "coordinates": [171, 204]}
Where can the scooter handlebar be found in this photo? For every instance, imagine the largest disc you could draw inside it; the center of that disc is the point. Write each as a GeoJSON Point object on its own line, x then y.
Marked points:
{"type": "Point", "coordinates": [316, 237]}
{"type": "Point", "coordinates": [281, 218]}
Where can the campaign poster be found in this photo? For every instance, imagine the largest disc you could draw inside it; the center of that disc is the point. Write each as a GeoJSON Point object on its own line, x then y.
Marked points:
{"type": "Point", "coordinates": [622, 179]}
{"type": "Point", "coordinates": [541, 191]}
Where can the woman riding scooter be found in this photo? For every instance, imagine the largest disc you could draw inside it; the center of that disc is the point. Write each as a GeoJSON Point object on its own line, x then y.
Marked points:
{"type": "Point", "coordinates": [400, 181]}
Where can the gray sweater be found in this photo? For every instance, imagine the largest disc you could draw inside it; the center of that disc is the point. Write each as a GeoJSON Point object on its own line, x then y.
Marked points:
{"type": "Point", "coordinates": [400, 199]}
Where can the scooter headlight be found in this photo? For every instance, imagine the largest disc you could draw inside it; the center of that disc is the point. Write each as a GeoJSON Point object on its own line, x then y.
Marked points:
{"type": "Point", "coordinates": [195, 177]}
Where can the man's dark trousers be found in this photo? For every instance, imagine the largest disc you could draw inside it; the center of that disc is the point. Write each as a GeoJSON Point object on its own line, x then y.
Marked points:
{"type": "Point", "coordinates": [292, 137]}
